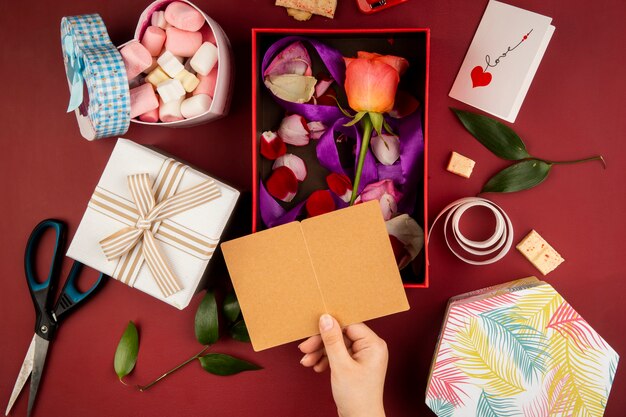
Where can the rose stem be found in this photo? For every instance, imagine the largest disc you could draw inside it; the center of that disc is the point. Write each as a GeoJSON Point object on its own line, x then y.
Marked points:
{"type": "Point", "coordinates": [171, 371]}
{"type": "Point", "coordinates": [365, 143]}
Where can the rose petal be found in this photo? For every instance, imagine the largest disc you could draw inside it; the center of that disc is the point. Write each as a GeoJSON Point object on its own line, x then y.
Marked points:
{"type": "Point", "coordinates": [385, 192]}
{"type": "Point", "coordinates": [403, 105]}
{"type": "Point", "coordinates": [294, 130]}
{"type": "Point", "coordinates": [386, 148]}
{"type": "Point", "coordinates": [406, 230]}
{"type": "Point", "coordinates": [293, 162]}
{"type": "Point", "coordinates": [320, 202]}
{"type": "Point", "coordinates": [282, 184]}
{"type": "Point", "coordinates": [399, 63]}
{"type": "Point", "coordinates": [294, 59]}
{"type": "Point", "coordinates": [399, 252]}
{"type": "Point", "coordinates": [272, 146]}
{"type": "Point", "coordinates": [341, 185]}
{"type": "Point", "coordinates": [323, 83]}
{"type": "Point", "coordinates": [291, 87]}
{"type": "Point", "coordinates": [326, 100]}
{"type": "Point", "coordinates": [316, 129]}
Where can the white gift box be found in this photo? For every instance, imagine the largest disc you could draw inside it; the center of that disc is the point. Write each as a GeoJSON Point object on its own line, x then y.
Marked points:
{"type": "Point", "coordinates": [186, 240]}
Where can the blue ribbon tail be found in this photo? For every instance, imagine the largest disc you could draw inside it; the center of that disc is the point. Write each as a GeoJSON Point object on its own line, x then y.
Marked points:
{"type": "Point", "coordinates": [76, 94]}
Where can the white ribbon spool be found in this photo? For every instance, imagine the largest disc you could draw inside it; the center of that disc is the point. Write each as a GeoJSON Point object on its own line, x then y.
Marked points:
{"type": "Point", "coordinates": [501, 240]}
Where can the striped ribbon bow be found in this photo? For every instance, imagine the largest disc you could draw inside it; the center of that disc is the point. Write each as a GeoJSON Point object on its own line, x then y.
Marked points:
{"type": "Point", "coordinates": [150, 215]}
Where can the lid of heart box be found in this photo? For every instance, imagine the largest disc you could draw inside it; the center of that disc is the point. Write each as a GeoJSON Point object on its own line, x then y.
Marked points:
{"type": "Point", "coordinates": [99, 92]}
{"type": "Point", "coordinates": [91, 60]}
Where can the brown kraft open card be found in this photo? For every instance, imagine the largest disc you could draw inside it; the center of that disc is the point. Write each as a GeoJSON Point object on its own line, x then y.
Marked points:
{"type": "Point", "coordinates": [339, 263]}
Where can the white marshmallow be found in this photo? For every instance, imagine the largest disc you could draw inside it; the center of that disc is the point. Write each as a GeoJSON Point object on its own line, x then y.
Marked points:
{"type": "Point", "coordinates": [170, 64]}
{"type": "Point", "coordinates": [204, 59]}
{"type": "Point", "coordinates": [195, 105]}
{"type": "Point", "coordinates": [158, 19]}
{"type": "Point", "coordinates": [170, 112]}
{"type": "Point", "coordinates": [170, 90]}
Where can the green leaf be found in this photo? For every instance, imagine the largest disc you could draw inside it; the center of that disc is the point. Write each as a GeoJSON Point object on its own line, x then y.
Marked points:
{"type": "Point", "coordinates": [206, 325]}
{"type": "Point", "coordinates": [231, 307]}
{"type": "Point", "coordinates": [356, 119]}
{"type": "Point", "coordinates": [517, 177]}
{"type": "Point", "coordinates": [126, 352]}
{"type": "Point", "coordinates": [388, 128]}
{"type": "Point", "coordinates": [495, 136]}
{"type": "Point", "coordinates": [239, 331]}
{"type": "Point", "coordinates": [377, 121]}
{"type": "Point", "coordinates": [223, 365]}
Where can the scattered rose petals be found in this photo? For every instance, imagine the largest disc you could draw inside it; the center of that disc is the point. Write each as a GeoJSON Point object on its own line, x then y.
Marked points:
{"type": "Point", "coordinates": [411, 236]}
{"type": "Point", "coordinates": [387, 195]}
{"type": "Point", "coordinates": [294, 130]}
{"type": "Point", "coordinates": [399, 63]}
{"type": "Point", "coordinates": [316, 129]}
{"type": "Point", "coordinates": [403, 105]}
{"type": "Point", "coordinates": [292, 87]}
{"type": "Point", "coordinates": [272, 146]}
{"type": "Point", "coordinates": [282, 184]}
{"type": "Point", "coordinates": [341, 185]}
{"type": "Point", "coordinates": [320, 202]}
{"type": "Point", "coordinates": [323, 83]}
{"type": "Point", "coordinates": [399, 252]}
{"type": "Point", "coordinates": [294, 59]}
{"type": "Point", "coordinates": [386, 148]}
{"type": "Point", "coordinates": [293, 162]}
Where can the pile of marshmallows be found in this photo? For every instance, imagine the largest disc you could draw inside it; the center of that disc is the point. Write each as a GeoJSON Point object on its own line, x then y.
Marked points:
{"type": "Point", "coordinates": [184, 88]}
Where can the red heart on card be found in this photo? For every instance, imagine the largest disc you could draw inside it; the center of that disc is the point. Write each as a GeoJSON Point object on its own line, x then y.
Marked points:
{"type": "Point", "coordinates": [480, 78]}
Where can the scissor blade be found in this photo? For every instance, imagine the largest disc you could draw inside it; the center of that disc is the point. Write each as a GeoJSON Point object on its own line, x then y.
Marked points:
{"type": "Point", "coordinates": [41, 350]}
{"type": "Point", "coordinates": [25, 370]}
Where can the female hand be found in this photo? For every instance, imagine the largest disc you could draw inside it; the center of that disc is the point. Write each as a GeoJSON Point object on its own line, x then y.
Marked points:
{"type": "Point", "coordinates": [358, 363]}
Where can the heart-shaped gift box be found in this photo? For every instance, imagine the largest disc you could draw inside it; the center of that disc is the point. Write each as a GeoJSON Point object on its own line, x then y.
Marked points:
{"type": "Point", "coordinates": [97, 77]}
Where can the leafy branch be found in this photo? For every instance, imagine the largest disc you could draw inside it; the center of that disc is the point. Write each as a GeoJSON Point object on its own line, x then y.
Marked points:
{"type": "Point", "coordinates": [206, 327]}
{"type": "Point", "coordinates": [502, 141]}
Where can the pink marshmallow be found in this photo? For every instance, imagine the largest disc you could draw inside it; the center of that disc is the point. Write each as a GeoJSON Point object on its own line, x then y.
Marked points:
{"type": "Point", "coordinates": [136, 59]}
{"type": "Point", "coordinates": [184, 16]}
{"type": "Point", "coordinates": [153, 39]}
{"type": "Point", "coordinates": [142, 100]}
{"type": "Point", "coordinates": [150, 117]}
{"type": "Point", "coordinates": [207, 83]}
{"type": "Point", "coordinates": [181, 42]}
{"type": "Point", "coordinates": [207, 35]}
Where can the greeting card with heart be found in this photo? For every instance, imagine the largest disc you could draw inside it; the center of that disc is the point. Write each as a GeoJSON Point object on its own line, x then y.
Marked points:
{"type": "Point", "coordinates": [502, 59]}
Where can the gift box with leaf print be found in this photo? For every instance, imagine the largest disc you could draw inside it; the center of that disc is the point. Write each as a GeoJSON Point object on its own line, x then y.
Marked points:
{"type": "Point", "coordinates": [340, 118]}
{"type": "Point", "coordinates": [519, 349]}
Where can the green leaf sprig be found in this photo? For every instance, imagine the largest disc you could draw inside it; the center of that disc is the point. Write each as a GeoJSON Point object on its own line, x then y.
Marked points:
{"type": "Point", "coordinates": [502, 141]}
{"type": "Point", "coordinates": [206, 327]}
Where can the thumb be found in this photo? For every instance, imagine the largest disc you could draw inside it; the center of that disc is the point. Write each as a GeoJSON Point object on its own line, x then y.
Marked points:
{"type": "Point", "coordinates": [333, 340]}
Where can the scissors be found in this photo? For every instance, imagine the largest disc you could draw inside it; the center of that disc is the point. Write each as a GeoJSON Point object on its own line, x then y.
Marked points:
{"type": "Point", "coordinates": [47, 320]}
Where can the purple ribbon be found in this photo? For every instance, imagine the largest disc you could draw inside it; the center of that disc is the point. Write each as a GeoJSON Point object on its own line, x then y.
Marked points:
{"type": "Point", "coordinates": [328, 155]}
{"type": "Point", "coordinates": [332, 59]}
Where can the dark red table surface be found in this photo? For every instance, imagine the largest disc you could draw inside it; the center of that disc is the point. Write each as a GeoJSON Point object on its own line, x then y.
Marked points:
{"type": "Point", "coordinates": [574, 109]}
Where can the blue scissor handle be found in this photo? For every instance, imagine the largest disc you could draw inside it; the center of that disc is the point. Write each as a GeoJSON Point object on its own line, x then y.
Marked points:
{"type": "Point", "coordinates": [40, 292]}
{"type": "Point", "coordinates": [70, 294]}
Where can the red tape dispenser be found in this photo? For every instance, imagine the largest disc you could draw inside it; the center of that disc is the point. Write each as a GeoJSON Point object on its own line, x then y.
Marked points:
{"type": "Point", "coordinates": [373, 6]}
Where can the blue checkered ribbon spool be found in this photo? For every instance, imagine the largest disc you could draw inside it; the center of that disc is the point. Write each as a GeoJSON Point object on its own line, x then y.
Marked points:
{"type": "Point", "coordinates": [91, 58]}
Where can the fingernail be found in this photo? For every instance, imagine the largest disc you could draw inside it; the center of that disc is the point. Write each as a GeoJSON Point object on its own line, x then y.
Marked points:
{"type": "Point", "coordinates": [303, 358]}
{"type": "Point", "coordinates": [326, 322]}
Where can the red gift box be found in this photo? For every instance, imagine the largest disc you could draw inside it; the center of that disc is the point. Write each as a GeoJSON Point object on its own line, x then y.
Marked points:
{"type": "Point", "coordinates": [412, 43]}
